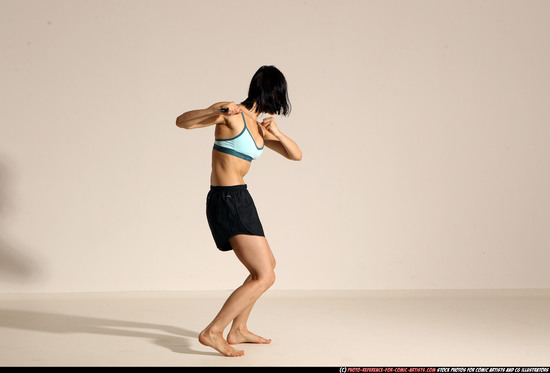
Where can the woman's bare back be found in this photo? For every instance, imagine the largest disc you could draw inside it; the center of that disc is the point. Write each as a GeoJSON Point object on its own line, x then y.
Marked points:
{"type": "Point", "coordinates": [228, 169]}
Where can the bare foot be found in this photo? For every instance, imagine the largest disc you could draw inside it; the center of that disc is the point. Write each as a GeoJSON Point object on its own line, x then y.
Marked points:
{"type": "Point", "coordinates": [244, 336]}
{"type": "Point", "coordinates": [217, 342]}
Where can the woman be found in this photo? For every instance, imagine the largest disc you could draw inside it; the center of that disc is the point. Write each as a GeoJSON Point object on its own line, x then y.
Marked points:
{"type": "Point", "coordinates": [232, 216]}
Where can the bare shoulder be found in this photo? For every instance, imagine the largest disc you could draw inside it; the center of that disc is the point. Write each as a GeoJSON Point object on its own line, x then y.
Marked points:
{"type": "Point", "coordinates": [230, 122]}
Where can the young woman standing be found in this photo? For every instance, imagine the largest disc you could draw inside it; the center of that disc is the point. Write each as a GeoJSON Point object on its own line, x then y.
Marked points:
{"type": "Point", "coordinates": [230, 210]}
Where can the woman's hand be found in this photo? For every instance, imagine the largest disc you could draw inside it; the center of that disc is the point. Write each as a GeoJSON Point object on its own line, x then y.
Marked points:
{"type": "Point", "coordinates": [232, 108]}
{"type": "Point", "coordinates": [270, 125]}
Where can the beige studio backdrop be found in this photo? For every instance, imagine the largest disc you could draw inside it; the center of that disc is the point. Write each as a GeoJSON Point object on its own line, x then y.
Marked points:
{"type": "Point", "coordinates": [424, 127]}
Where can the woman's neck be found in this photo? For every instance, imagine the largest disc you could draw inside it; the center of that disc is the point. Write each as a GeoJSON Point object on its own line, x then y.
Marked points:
{"type": "Point", "coordinates": [253, 113]}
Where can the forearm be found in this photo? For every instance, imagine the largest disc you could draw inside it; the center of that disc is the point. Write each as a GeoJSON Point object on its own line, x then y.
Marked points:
{"type": "Point", "coordinates": [194, 118]}
{"type": "Point", "coordinates": [292, 150]}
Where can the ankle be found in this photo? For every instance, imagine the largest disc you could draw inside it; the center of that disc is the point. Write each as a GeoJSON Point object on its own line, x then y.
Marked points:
{"type": "Point", "coordinates": [210, 331]}
{"type": "Point", "coordinates": [239, 329]}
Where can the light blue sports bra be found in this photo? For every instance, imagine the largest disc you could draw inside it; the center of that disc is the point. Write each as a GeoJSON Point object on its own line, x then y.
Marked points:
{"type": "Point", "coordinates": [241, 146]}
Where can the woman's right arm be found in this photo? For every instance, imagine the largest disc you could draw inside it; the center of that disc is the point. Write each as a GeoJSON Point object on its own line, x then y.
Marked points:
{"type": "Point", "coordinates": [206, 117]}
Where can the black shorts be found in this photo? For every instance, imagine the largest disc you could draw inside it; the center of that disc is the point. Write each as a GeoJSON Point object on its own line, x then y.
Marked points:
{"type": "Point", "coordinates": [230, 210]}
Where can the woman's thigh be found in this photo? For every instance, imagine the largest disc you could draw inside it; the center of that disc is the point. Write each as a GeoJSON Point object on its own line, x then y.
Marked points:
{"type": "Point", "coordinates": [254, 252]}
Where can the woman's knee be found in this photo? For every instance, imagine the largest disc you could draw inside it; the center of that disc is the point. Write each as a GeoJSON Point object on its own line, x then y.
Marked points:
{"type": "Point", "coordinates": [266, 280]}
{"type": "Point", "coordinates": [271, 279]}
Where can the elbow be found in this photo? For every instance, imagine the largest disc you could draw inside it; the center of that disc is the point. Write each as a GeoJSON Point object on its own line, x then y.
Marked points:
{"type": "Point", "coordinates": [297, 157]}
{"type": "Point", "coordinates": [181, 124]}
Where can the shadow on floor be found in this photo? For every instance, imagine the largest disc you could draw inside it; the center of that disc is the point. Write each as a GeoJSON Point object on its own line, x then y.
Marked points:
{"type": "Point", "coordinates": [48, 322]}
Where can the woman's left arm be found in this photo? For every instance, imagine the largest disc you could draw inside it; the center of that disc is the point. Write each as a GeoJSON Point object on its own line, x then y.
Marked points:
{"type": "Point", "coordinates": [279, 142]}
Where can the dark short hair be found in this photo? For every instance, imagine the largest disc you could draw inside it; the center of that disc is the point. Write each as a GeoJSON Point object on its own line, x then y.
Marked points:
{"type": "Point", "coordinates": [268, 90]}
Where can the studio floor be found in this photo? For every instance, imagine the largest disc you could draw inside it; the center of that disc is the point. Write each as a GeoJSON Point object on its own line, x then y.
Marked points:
{"type": "Point", "coordinates": [307, 328]}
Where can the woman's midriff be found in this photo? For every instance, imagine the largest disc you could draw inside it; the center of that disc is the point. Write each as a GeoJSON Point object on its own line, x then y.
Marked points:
{"type": "Point", "coordinates": [227, 169]}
